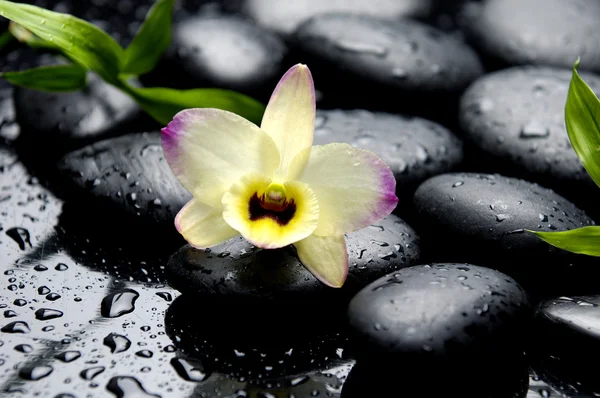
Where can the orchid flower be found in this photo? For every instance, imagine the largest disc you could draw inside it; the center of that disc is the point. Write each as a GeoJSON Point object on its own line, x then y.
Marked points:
{"type": "Point", "coordinates": [270, 184]}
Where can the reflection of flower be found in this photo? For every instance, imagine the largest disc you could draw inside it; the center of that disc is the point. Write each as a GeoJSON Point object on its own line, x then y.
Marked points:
{"type": "Point", "coordinates": [270, 185]}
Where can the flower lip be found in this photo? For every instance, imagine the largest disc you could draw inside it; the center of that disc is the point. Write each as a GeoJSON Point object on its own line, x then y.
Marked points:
{"type": "Point", "coordinates": [282, 213]}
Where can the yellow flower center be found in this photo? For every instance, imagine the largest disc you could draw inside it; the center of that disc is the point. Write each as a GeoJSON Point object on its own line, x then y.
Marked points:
{"type": "Point", "coordinates": [272, 203]}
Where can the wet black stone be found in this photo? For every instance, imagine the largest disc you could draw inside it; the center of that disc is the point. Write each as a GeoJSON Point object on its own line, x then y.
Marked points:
{"type": "Point", "coordinates": [542, 32]}
{"type": "Point", "coordinates": [285, 16]}
{"type": "Point", "coordinates": [67, 120]}
{"type": "Point", "coordinates": [224, 52]}
{"type": "Point", "coordinates": [236, 269]}
{"type": "Point", "coordinates": [414, 148]}
{"type": "Point", "coordinates": [128, 174]}
{"type": "Point", "coordinates": [516, 118]}
{"type": "Point", "coordinates": [420, 67]}
{"type": "Point", "coordinates": [480, 218]}
{"type": "Point", "coordinates": [565, 340]}
{"type": "Point", "coordinates": [439, 310]}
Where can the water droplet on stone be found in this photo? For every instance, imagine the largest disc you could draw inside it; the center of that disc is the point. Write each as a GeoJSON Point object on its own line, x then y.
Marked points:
{"type": "Point", "coordinates": [43, 290]}
{"type": "Point", "coordinates": [24, 348]}
{"type": "Point", "coordinates": [118, 303]}
{"type": "Point", "coordinates": [90, 373]}
{"type": "Point", "coordinates": [16, 327]}
{"type": "Point", "coordinates": [501, 217]}
{"type": "Point", "coordinates": [144, 354]}
{"type": "Point", "coordinates": [165, 296]}
{"type": "Point", "coordinates": [117, 343]}
{"type": "Point", "coordinates": [543, 217]}
{"type": "Point", "coordinates": [35, 373]}
{"type": "Point", "coordinates": [45, 314]}
{"type": "Point", "coordinates": [458, 184]}
{"type": "Point", "coordinates": [40, 268]}
{"type": "Point", "coordinates": [128, 387]}
{"type": "Point", "coordinates": [188, 370]}
{"type": "Point", "coordinates": [61, 267]}
{"type": "Point", "coordinates": [19, 235]}
{"type": "Point", "coordinates": [68, 356]}
{"type": "Point", "coordinates": [10, 314]}
{"type": "Point", "coordinates": [534, 129]}
{"type": "Point", "coordinates": [53, 297]}
{"type": "Point", "coordinates": [358, 47]}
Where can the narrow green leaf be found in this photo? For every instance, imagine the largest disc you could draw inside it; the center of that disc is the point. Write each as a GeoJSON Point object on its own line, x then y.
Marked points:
{"type": "Point", "coordinates": [5, 38]}
{"type": "Point", "coordinates": [582, 117]}
{"type": "Point", "coordinates": [49, 78]}
{"type": "Point", "coordinates": [151, 41]}
{"type": "Point", "coordinates": [584, 240]}
{"type": "Point", "coordinates": [81, 41]}
{"type": "Point", "coordinates": [25, 36]}
{"type": "Point", "coordinates": [163, 103]}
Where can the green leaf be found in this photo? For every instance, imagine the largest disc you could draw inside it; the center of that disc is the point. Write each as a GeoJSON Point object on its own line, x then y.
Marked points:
{"type": "Point", "coordinates": [25, 36]}
{"type": "Point", "coordinates": [582, 117]}
{"type": "Point", "coordinates": [151, 41]}
{"type": "Point", "coordinates": [5, 38]}
{"type": "Point", "coordinates": [163, 103]}
{"type": "Point", "coordinates": [81, 41]}
{"type": "Point", "coordinates": [584, 240]}
{"type": "Point", "coordinates": [49, 78]}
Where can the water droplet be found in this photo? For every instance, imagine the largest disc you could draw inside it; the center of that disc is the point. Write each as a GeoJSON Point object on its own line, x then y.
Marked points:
{"type": "Point", "coordinates": [144, 354]}
{"type": "Point", "coordinates": [458, 184]}
{"type": "Point", "coordinates": [501, 217]}
{"type": "Point", "coordinates": [45, 314]}
{"type": "Point", "coordinates": [117, 343]}
{"type": "Point", "coordinates": [379, 243]}
{"type": "Point", "coordinates": [10, 314]}
{"type": "Point", "coordinates": [534, 129]}
{"type": "Point", "coordinates": [68, 356]}
{"type": "Point", "coordinates": [20, 302]}
{"type": "Point", "coordinates": [358, 47]}
{"type": "Point", "coordinates": [24, 348]}
{"type": "Point", "coordinates": [399, 74]}
{"type": "Point", "coordinates": [188, 370]}
{"type": "Point", "coordinates": [19, 235]}
{"type": "Point", "coordinates": [543, 217]}
{"type": "Point", "coordinates": [150, 148]}
{"type": "Point", "coordinates": [90, 373]}
{"type": "Point", "coordinates": [43, 290]}
{"type": "Point", "coordinates": [53, 297]}
{"type": "Point", "coordinates": [422, 154]}
{"type": "Point", "coordinates": [40, 268]}
{"type": "Point", "coordinates": [16, 327]}
{"type": "Point", "coordinates": [128, 387]}
{"type": "Point", "coordinates": [165, 296]}
{"type": "Point", "coordinates": [35, 373]}
{"type": "Point", "coordinates": [299, 380]}
{"type": "Point", "coordinates": [118, 303]}
{"type": "Point", "coordinates": [61, 267]}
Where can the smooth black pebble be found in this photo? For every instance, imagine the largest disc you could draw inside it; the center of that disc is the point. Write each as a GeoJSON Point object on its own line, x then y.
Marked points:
{"type": "Point", "coordinates": [414, 148]}
{"type": "Point", "coordinates": [237, 269]}
{"type": "Point", "coordinates": [364, 61]}
{"type": "Point", "coordinates": [515, 117]}
{"type": "Point", "coordinates": [64, 121]}
{"type": "Point", "coordinates": [482, 218]}
{"type": "Point", "coordinates": [129, 174]}
{"type": "Point", "coordinates": [224, 52]}
{"type": "Point", "coordinates": [439, 310]}
{"type": "Point", "coordinates": [540, 32]}
{"type": "Point", "coordinates": [285, 16]}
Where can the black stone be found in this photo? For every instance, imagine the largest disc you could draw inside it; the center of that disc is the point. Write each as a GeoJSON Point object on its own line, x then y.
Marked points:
{"type": "Point", "coordinates": [445, 310]}
{"type": "Point", "coordinates": [130, 175]}
{"type": "Point", "coordinates": [66, 120]}
{"type": "Point", "coordinates": [515, 117]}
{"type": "Point", "coordinates": [542, 32]}
{"type": "Point", "coordinates": [565, 340]}
{"type": "Point", "coordinates": [414, 148]}
{"type": "Point", "coordinates": [481, 218]}
{"type": "Point", "coordinates": [224, 52]}
{"type": "Point", "coordinates": [285, 16]}
{"type": "Point", "coordinates": [364, 61]}
{"type": "Point", "coordinates": [236, 269]}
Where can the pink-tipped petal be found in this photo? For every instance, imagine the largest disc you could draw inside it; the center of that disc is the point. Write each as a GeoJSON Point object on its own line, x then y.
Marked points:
{"type": "Point", "coordinates": [210, 149]}
{"type": "Point", "coordinates": [290, 117]}
{"type": "Point", "coordinates": [202, 226]}
{"type": "Point", "coordinates": [326, 257]}
{"type": "Point", "coordinates": [354, 187]}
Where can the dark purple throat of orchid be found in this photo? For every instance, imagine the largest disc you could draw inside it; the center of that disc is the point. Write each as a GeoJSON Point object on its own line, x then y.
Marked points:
{"type": "Point", "coordinates": [278, 209]}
